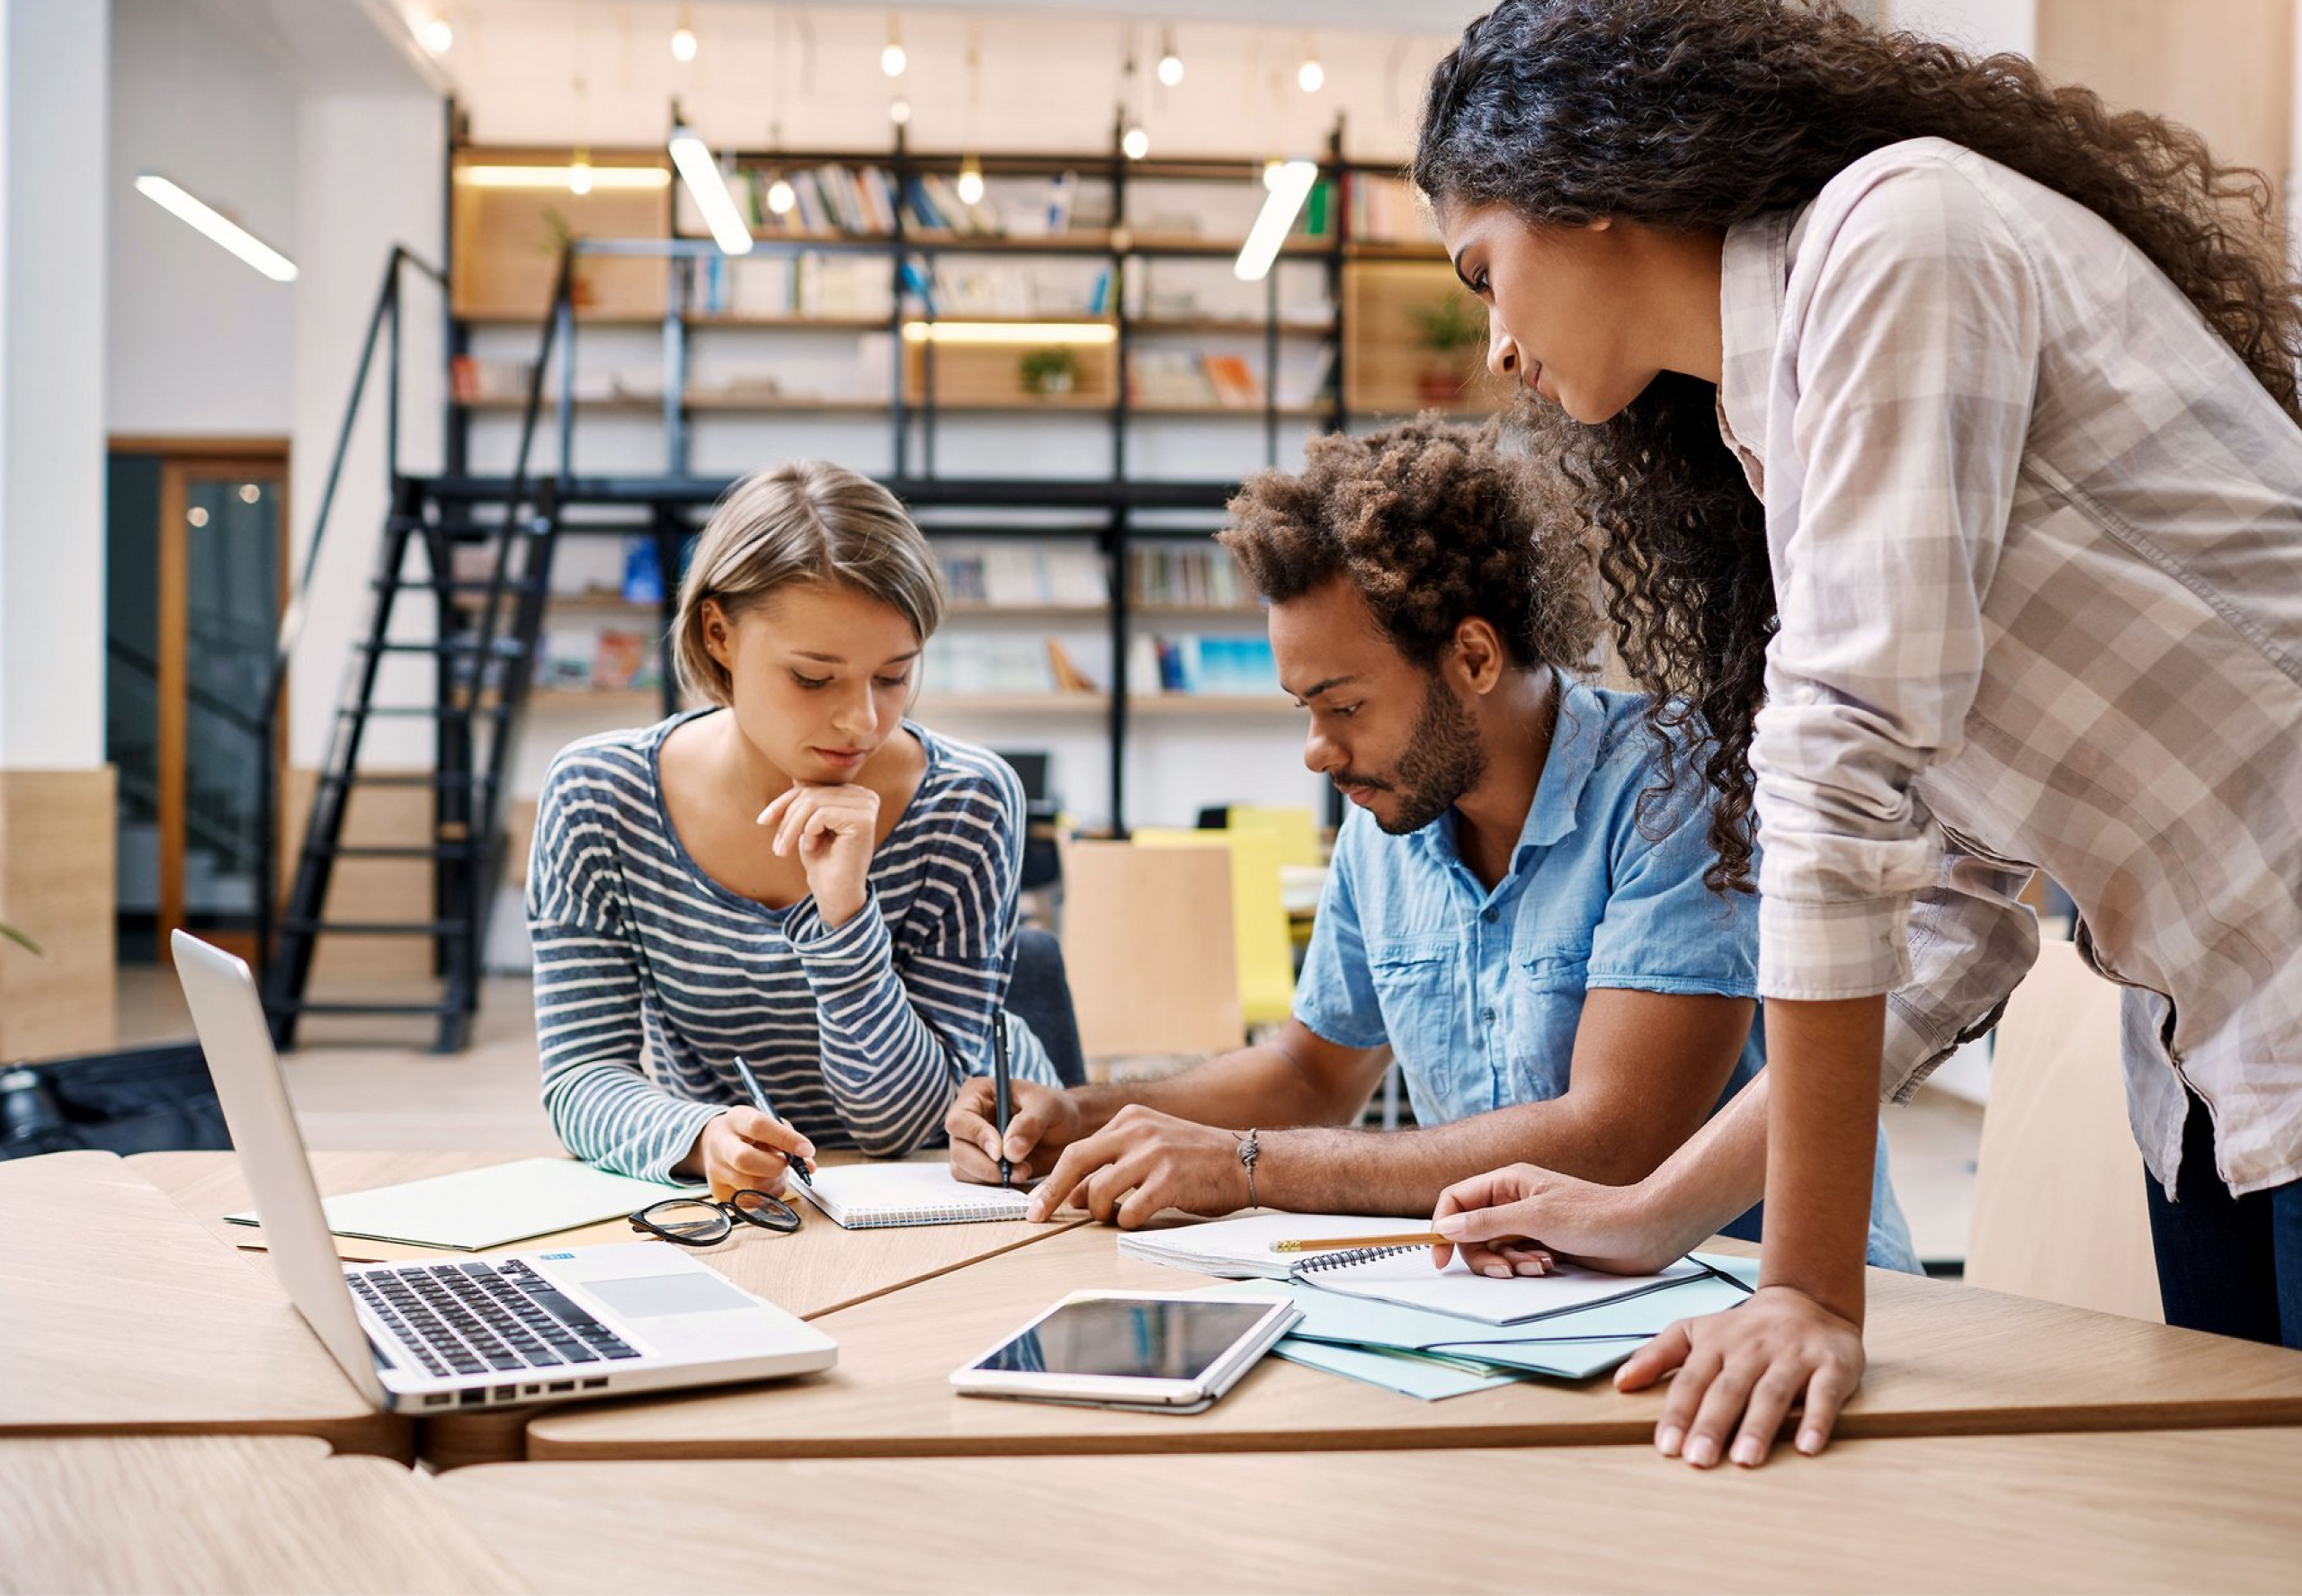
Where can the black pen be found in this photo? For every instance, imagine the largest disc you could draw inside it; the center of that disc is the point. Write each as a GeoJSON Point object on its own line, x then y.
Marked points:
{"type": "Point", "coordinates": [1000, 1104]}
{"type": "Point", "coordinates": [759, 1101]}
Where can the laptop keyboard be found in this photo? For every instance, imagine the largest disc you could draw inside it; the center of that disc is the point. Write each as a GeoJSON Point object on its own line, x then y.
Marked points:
{"type": "Point", "coordinates": [469, 1318]}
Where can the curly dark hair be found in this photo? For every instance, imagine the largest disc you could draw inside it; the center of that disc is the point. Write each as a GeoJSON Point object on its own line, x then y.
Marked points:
{"type": "Point", "coordinates": [1696, 114]}
{"type": "Point", "coordinates": [1434, 524]}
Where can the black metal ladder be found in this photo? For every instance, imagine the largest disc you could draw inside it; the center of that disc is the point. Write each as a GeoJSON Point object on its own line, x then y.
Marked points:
{"type": "Point", "coordinates": [482, 654]}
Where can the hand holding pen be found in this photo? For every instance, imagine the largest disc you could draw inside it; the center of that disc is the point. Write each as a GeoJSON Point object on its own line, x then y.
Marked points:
{"type": "Point", "coordinates": [750, 1148]}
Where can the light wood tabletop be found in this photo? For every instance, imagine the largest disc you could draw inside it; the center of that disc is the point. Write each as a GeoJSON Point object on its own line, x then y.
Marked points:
{"type": "Point", "coordinates": [1944, 1360]}
{"type": "Point", "coordinates": [818, 1270]}
{"type": "Point", "coordinates": [228, 1513]}
{"type": "Point", "coordinates": [120, 1314]}
{"type": "Point", "coordinates": [2165, 1511]}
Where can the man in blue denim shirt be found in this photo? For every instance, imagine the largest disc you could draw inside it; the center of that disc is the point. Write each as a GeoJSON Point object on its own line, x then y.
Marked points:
{"type": "Point", "coordinates": [1517, 913]}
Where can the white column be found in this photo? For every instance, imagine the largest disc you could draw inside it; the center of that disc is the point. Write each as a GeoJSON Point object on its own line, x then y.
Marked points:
{"type": "Point", "coordinates": [52, 237]}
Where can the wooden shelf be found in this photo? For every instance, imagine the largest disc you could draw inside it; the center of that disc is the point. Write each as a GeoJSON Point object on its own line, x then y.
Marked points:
{"type": "Point", "coordinates": [974, 611]}
{"type": "Point", "coordinates": [1248, 326]}
{"type": "Point", "coordinates": [1251, 412]}
{"type": "Point", "coordinates": [1208, 703]}
{"type": "Point", "coordinates": [1396, 250]}
{"type": "Point", "coordinates": [1197, 612]}
{"type": "Point", "coordinates": [791, 324]}
{"type": "Point", "coordinates": [934, 706]}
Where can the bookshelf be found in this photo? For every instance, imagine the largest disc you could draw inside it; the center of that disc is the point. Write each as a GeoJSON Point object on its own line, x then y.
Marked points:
{"type": "Point", "coordinates": [692, 367]}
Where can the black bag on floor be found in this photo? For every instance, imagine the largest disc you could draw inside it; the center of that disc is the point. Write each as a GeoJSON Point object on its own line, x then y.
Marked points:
{"type": "Point", "coordinates": [153, 1100]}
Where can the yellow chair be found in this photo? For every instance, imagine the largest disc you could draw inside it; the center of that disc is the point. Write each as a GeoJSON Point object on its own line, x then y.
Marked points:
{"type": "Point", "coordinates": [1296, 829]}
{"type": "Point", "coordinates": [1259, 918]}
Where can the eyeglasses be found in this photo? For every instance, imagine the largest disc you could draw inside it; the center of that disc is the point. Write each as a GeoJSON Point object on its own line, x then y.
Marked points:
{"type": "Point", "coordinates": [697, 1222]}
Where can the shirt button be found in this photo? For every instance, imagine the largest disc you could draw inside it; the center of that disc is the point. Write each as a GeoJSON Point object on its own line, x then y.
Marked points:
{"type": "Point", "coordinates": [1486, 1016]}
{"type": "Point", "coordinates": [1489, 915]}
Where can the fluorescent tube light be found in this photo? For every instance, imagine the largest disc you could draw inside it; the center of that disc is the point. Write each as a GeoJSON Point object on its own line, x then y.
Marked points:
{"type": "Point", "coordinates": [692, 156]}
{"type": "Point", "coordinates": [225, 231]}
{"type": "Point", "coordinates": [1010, 332]}
{"type": "Point", "coordinates": [1288, 187]}
{"type": "Point", "coordinates": [564, 177]}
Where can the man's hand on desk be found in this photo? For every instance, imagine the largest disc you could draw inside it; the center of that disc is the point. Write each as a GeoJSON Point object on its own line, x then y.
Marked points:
{"type": "Point", "coordinates": [1142, 1161]}
{"type": "Point", "coordinates": [1044, 1122]}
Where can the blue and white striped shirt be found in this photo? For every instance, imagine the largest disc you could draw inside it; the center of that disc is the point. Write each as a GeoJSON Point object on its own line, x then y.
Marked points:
{"type": "Point", "coordinates": [650, 976]}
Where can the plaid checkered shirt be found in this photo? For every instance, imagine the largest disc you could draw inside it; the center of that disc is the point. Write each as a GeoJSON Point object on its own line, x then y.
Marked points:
{"type": "Point", "coordinates": [2037, 541]}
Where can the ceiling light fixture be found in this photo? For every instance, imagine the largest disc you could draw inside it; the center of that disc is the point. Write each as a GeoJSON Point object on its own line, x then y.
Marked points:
{"type": "Point", "coordinates": [206, 219]}
{"type": "Point", "coordinates": [1288, 191]}
{"type": "Point", "coordinates": [1170, 64]}
{"type": "Point", "coordinates": [1135, 143]}
{"type": "Point", "coordinates": [1310, 77]}
{"type": "Point", "coordinates": [683, 38]}
{"type": "Point", "coordinates": [579, 174]}
{"type": "Point", "coordinates": [436, 35]}
{"type": "Point", "coordinates": [899, 112]}
{"type": "Point", "coordinates": [971, 181]}
{"type": "Point", "coordinates": [780, 198]}
{"type": "Point", "coordinates": [709, 187]}
{"type": "Point", "coordinates": [892, 58]}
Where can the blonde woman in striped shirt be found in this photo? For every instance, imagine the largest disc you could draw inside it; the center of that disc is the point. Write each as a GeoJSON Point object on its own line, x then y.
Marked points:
{"type": "Point", "coordinates": [1939, 432]}
{"type": "Point", "coordinates": [798, 875]}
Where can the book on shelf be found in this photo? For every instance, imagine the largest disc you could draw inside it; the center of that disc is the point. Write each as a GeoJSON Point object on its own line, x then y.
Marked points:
{"type": "Point", "coordinates": [1186, 576]}
{"type": "Point", "coordinates": [624, 661]}
{"type": "Point", "coordinates": [471, 379]}
{"type": "Point", "coordinates": [1215, 666]}
{"type": "Point", "coordinates": [1388, 211]}
{"type": "Point", "coordinates": [970, 665]}
{"type": "Point", "coordinates": [1235, 386]}
{"type": "Point", "coordinates": [1023, 574]}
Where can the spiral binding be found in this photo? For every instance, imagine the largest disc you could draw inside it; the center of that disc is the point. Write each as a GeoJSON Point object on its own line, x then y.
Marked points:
{"type": "Point", "coordinates": [1350, 1257]}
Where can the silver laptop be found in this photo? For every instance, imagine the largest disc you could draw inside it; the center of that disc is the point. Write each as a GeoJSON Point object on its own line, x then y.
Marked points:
{"type": "Point", "coordinates": [511, 1327]}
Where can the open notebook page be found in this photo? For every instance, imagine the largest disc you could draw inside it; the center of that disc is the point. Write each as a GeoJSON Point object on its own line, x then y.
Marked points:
{"type": "Point", "coordinates": [873, 1196]}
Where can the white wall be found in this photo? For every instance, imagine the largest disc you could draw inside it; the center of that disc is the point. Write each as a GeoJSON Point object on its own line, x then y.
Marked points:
{"type": "Point", "coordinates": [1986, 26]}
{"type": "Point", "coordinates": [51, 384]}
{"type": "Point", "coordinates": [369, 175]}
{"type": "Point", "coordinates": [201, 343]}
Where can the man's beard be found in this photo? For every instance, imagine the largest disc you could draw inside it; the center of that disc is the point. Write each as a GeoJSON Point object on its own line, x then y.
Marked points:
{"type": "Point", "coordinates": [1444, 760]}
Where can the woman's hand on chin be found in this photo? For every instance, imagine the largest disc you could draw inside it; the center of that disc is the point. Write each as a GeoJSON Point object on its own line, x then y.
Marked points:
{"type": "Point", "coordinates": [833, 829]}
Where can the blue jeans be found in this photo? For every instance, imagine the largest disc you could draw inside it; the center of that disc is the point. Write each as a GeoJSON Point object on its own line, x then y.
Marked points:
{"type": "Point", "coordinates": [2230, 1265]}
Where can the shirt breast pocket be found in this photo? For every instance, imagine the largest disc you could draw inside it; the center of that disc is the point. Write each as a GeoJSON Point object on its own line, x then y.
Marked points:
{"type": "Point", "coordinates": [1553, 972]}
{"type": "Point", "coordinates": [1414, 988]}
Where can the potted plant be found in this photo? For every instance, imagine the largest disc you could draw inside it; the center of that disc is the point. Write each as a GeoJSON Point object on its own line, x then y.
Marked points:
{"type": "Point", "coordinates": [1446, 327]}
{"type": "Point", "coordinates": [1049, 371]}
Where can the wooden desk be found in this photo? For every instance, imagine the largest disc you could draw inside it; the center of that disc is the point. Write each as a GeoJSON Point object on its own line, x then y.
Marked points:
{"type": "Point", "coordinates": [818, 1270]}
{"type": "Point", "coordinates": [1945, 1359]}
{"type": "Point", "coordinates": [2191, 1510]}
{"type": "Point", "coordinates": [120, 1315]}
{"type": "Point", "coordinates": [228, 1513]}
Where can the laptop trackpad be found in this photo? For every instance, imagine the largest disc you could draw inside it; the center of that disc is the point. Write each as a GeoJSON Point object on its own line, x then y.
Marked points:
{"type": "Point", "coordinates": [647, 1297]}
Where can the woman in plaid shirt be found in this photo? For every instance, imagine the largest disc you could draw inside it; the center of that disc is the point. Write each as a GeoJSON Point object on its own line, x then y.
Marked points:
{"type": "Point", "coordinates": [1940, 432]}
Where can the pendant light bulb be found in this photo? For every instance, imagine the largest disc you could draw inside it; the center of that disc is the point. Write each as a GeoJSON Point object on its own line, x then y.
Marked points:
{"type": "Point", "coordinates": [900, 111]}
{"type": "Point", "coordinates": [683, 43]}
{"type": "Point", "coordinates": [579, 172]}
{"type": "Point", "coordinates": [1270, 171]}
{"type": "Point", "coordinates": [780, 197]}
{"type": "Point", "coordinates": [1310, 77]}
{"type": "Point", "coordinates": [1135, 143]}
{"type": "Point", "coordinates": [892, 58]}
{"type": "Point", "coordinates": [970, 184]}
{"type": "Point", "coordinates": [438, 37]}
{"type": "Point", "coordinates": [1170, 64]}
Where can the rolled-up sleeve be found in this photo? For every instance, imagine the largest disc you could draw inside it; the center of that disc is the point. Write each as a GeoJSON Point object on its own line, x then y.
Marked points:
{"type": "Point", "coordinates": [1904, 377]}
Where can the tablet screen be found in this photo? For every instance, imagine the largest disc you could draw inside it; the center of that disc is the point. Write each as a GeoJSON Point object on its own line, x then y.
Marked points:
{"type": "Point", "coordinates": [1140, 1339]}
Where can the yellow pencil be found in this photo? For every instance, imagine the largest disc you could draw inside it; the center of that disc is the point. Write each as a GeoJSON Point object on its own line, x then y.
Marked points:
{"type": "Point", "coordinates": [1418, 1238]}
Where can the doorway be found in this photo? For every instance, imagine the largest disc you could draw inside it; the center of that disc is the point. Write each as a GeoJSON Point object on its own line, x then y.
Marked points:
{"type": "Point", "coordinates": [197, 566]}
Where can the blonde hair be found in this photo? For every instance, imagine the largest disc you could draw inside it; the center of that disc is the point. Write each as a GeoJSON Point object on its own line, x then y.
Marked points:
{"type": "Point", "coordinates": [805, 521]}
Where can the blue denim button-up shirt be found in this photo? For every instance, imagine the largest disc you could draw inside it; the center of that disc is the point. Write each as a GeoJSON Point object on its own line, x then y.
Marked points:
{"type": "Point", "coordinates": [1479, 992]}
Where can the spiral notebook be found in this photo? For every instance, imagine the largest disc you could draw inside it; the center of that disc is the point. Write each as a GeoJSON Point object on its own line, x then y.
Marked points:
{"type": "Point", "coordinates": [877, 1196]}
{"type": "Point", "coordinates": [1404, 1275]}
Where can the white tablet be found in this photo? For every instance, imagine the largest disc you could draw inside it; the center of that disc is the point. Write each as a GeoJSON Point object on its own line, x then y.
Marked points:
{"type": "Point", "coordinates": [1166, 1351]}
